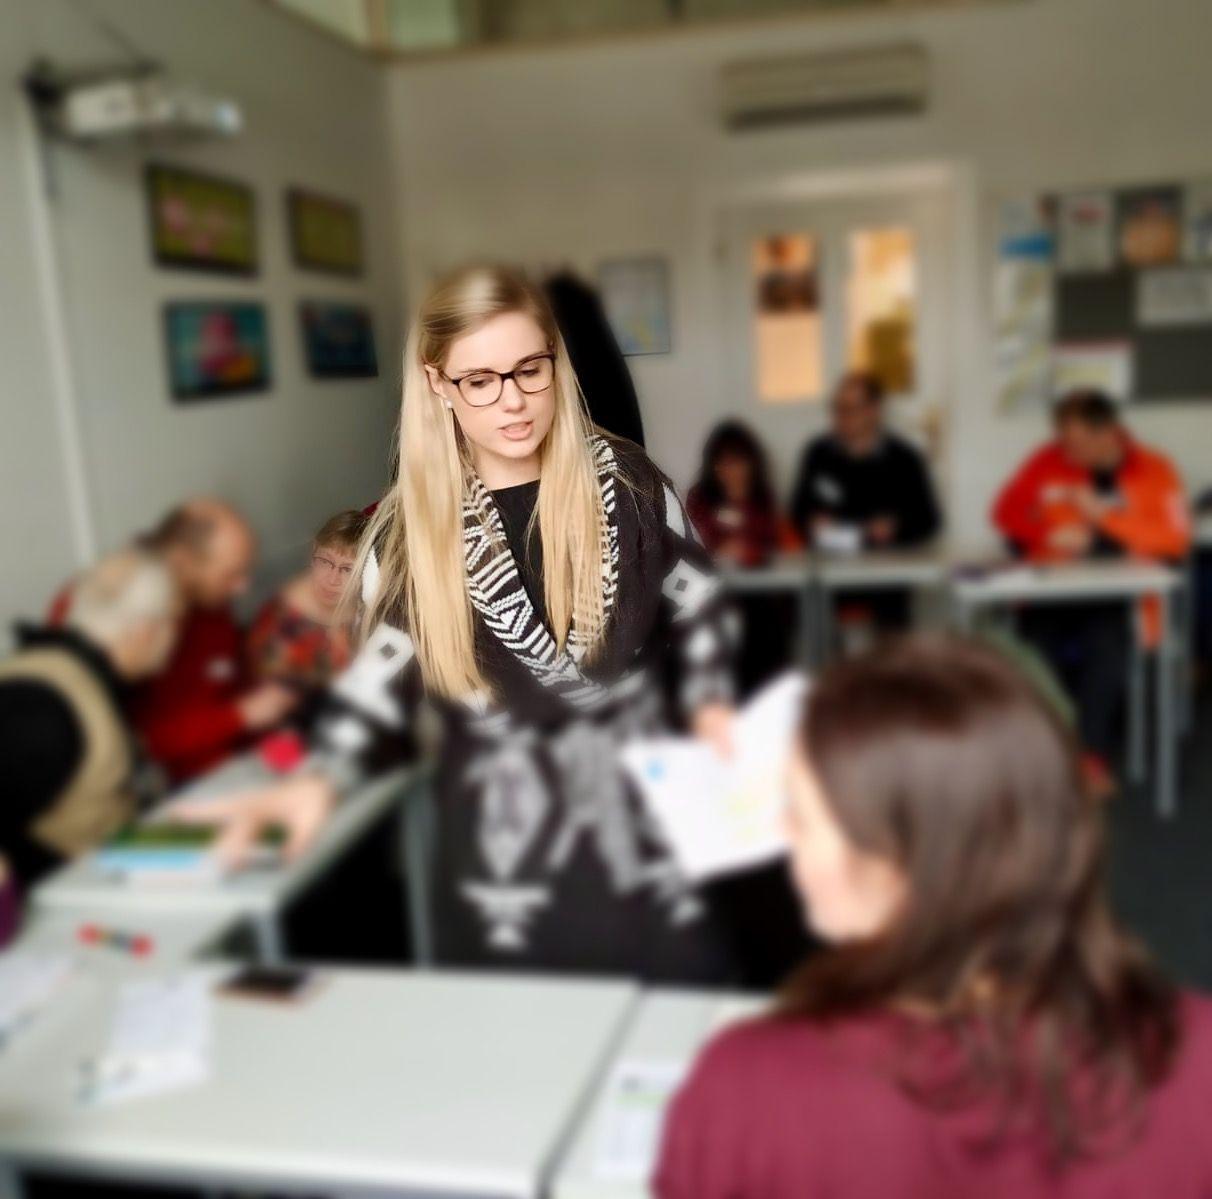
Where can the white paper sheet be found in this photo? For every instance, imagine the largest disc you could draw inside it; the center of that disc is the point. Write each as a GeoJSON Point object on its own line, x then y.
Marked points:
{"type": "Point", "coordinates": [724, 815]}
{"type": "Point", "coordinates": [159, 1041]}
{"type": "Point", "coordinates": [28, 982]}
{"type": "Point", "coordinates": [630, 1133]}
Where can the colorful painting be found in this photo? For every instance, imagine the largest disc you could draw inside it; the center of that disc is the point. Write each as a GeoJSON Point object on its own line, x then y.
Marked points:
{"type": "Point", "coordinates": [200, 221]}
{"type": "Point", "coordinates": [338, 340]}
{"type": "Point", "coordinates": [325, 234]}
{"type": "Point", "coordinates": [216, 348]}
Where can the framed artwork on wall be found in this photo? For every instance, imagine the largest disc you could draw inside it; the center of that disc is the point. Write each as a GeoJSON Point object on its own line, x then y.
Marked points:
{"type": "Point", "coordinates": [338, 340]}
{"type": "Point", "coordinates": [216, 348]}
{"type": "Point", "coordinates": [325, 233]}
{"type": "Point", "coordinates": [635, 295]}
{"type": "Point", "coordinates": [201, 221]}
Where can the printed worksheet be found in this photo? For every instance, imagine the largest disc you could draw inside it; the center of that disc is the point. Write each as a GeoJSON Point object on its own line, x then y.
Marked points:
{"type": "Point", "coordinates": [723, 815]}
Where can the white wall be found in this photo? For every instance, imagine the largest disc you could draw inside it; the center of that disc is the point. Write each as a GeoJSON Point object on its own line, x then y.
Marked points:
{"type": "Point", "coordinates": [36, 549]}
{"type": "Point", "coordinates": [576, 154]}
{"type": "Point", "coordinates": [315, 115]}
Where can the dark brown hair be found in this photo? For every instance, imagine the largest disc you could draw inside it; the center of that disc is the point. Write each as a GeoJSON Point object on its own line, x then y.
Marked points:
{"type": "Point", "coordinates": [1088, 406]}
{"type": "Point", "coordinates": [938, 754]}
{"type": "Point", "coordinates": [344, 529]}
{"type": "Point", "coordinates": [871, 384]}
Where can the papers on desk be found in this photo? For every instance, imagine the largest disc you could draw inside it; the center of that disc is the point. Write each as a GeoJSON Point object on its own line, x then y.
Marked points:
{"type": "Point", "coordinates": [28, 982]}
{"type": "Point", "coordinates": [162, 853]}
{"type": "Point", "coordinates": [723, 815]}
{"type": "Point", "coordinates": [835, 538]}
{"type": "Point", "coordinates": [632, 1118]}
{"type": "Point", "coordinates": [159, 1041]}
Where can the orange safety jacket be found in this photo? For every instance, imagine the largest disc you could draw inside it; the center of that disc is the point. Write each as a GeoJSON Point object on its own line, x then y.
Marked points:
{"type": "Point", "coordinates": [1151, 520]}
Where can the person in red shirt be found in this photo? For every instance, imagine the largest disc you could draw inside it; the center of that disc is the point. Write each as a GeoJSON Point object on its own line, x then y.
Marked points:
{"type": "Point", "coordinates": [201, 708]}
{"type": "Point", "coordinates": [979, 1024]}
{"type": "Point", "coordinates": [1093, 492]}
{"type": "Point", "coordinates": [300, 636]}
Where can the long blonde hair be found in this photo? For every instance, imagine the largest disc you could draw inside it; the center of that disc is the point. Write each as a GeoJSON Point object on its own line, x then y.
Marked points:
{"type": "Point", "coordinates": [417, 530]}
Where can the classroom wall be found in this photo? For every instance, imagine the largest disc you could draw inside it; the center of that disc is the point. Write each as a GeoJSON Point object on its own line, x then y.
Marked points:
{"type": "Point", "coordinates": [36, 546]}
{"type": "Point", "coordinates": [315, 115]}
{"type": "Point", "coordinates": [574, 154]}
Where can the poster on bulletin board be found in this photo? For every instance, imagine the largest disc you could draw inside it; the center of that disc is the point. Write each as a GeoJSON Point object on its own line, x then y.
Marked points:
{"type": "Point", "coordinates": [1107, 287]}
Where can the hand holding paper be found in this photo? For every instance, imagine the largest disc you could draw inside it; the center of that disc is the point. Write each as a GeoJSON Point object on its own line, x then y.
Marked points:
{"type": "Point", "coordinates": [723, 815]}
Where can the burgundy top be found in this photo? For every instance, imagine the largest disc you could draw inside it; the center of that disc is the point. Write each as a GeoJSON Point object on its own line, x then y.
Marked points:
{"type": "Point", "coordinates": [800, 1110]}
{"type": "Point", "coordinates": [758, 531]}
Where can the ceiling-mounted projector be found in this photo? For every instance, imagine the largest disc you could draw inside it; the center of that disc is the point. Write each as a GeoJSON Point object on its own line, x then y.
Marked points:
{"type": "Point", "coordinates": [105, 107]}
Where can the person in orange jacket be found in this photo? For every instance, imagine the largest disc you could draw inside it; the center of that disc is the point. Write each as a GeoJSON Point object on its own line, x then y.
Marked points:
{"type": "Point", "coordinates": [1093, 492]}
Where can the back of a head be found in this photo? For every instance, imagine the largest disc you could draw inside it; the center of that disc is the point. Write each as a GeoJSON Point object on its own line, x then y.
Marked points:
{"type": "Point", "coordinates": [121, 592]}
{"type": "Point", "coordinates": [936, 753]}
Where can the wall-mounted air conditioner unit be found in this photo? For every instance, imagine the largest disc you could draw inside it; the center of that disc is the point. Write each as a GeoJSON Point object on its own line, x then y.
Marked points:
{"type": "Point", "coordinates": [824, 87]}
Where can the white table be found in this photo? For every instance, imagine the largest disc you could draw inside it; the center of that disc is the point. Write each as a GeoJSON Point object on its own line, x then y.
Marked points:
{"type": "Point", "coordinates": [416, 1084]}
{"type": "Point", "coordinates": [260, 895]}
{"type": "Point", "coordinates": [176, 939]}
{"type": "Point", "coordinates": [923, 569]}
{"type": "Point", "coordinates": [668, 1026]}
{"type": "Point", "coordinates": [1084, 582]}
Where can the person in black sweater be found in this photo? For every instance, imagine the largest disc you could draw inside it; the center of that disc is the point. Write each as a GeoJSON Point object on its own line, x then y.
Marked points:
{"type": "Point", "coordinates": [864, 476]}
{"type": "Point", "coordinates": [70, 768]}
{"type": "Point", "coordinates": [862, 484]}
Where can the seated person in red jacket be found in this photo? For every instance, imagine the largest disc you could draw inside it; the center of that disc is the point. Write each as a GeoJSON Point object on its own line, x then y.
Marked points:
{"type": "Point", "coordinates": [201, 708]}
{"type": "Point", "coordinates": [300, 637]}
{"type": "Point", "coordinates": [979, 1026]}
{"type": "Point", "coordinates": [1092, 492]}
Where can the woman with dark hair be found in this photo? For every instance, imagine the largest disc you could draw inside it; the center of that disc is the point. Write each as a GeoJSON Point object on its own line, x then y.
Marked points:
{"type": "Point", "coordinates": [732, 504]}
{"type": "Point", "coordinates": [980, 1024]}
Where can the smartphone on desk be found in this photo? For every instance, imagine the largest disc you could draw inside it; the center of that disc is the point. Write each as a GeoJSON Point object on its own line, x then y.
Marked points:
{"type": "Point", "coordinates": [273, 984]}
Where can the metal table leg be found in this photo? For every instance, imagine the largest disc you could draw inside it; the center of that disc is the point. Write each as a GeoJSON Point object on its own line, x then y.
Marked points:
{"type": "Point", "coordinates": [1167, 729]}
{"type": "Point", "coordinates": [11, 1184]}
{"type": "Point", "coordinates": [267, 939]}
{"type": "Point", "coordinates": [1137, 766]}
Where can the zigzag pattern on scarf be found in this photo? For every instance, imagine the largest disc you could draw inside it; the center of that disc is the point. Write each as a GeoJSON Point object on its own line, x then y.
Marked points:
{"type": "Point", "coordinates": [500, 598]}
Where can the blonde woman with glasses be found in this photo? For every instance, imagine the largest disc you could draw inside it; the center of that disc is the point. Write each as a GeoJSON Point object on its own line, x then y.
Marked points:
{"type": "Point", "coordinates": [537, 583]}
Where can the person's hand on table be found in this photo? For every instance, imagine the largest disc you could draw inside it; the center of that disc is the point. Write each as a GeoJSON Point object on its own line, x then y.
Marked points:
{"type": "Point", "coordinates": [264, 706]}
{"type": "Point", "coordinates": [713, 723]}
{"type": "Point", "coordinates": [301, 806]}
{"type": "Point", "coordinates": [1070, 540]}
{"type": "Point", "coordinates": [1091, 505]}
{"type": "Point", "coordinates": [732, 550]}
{"type": "Point", "coordinates": [881, 530]}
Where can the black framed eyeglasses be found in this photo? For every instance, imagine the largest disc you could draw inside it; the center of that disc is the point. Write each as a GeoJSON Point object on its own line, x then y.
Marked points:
{"type": "Point", "coordinates": [481, 388]}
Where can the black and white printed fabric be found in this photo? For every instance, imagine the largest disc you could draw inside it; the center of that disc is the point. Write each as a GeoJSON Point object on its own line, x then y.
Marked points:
{"type": "Point", "coordinates": [545, 858]}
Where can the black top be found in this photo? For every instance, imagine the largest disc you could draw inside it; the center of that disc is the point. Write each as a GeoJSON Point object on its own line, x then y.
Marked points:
{"type": "Point", "coordinates": [515, 505]}
{"type": "Point", "coordinates": [890, 481]}
{"type": "Point", "coordinates": [41, 746]}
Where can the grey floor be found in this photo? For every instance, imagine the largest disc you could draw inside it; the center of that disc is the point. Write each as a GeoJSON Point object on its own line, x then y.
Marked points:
{"type": "Point", "coordinates": [1161, 871]}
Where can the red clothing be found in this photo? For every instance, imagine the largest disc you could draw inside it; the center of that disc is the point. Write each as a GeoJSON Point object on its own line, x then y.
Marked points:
{"type": "Point", "coordinates": [187, 716]}
{"type": "Point", "coordinates": [1150, 520]}
{"type": "Point", "coordinates": [801, 1110]}
{"type": "Point", "coordinates": [290, 647]}
{"type": "Point", "coordinates": [760, 532]}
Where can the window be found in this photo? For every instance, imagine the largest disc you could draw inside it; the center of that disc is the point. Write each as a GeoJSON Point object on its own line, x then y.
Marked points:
{"type": "Point", "coordinates": [881, 306]}
{"type": "Point", "coordinates": [787, 318]}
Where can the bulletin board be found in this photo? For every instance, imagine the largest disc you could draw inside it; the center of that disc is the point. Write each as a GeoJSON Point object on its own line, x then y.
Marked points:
{"type": "Point", "coordinates": [1106, 287]}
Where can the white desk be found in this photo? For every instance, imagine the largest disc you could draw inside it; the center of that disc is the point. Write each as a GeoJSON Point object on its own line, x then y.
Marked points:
{"type": "Point", "coordinates": [667, 1027]}
{"type": "Point", "coordinates": [784, 572]}
{"type": "Point", "coordinates": [406, 1083]}
{"type": "Point", "coordinates": [176, 939]}
{"type": "Point", "coordinates": [260, 895]}
{"type": "Point", "coordinates": [1083, 582]}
